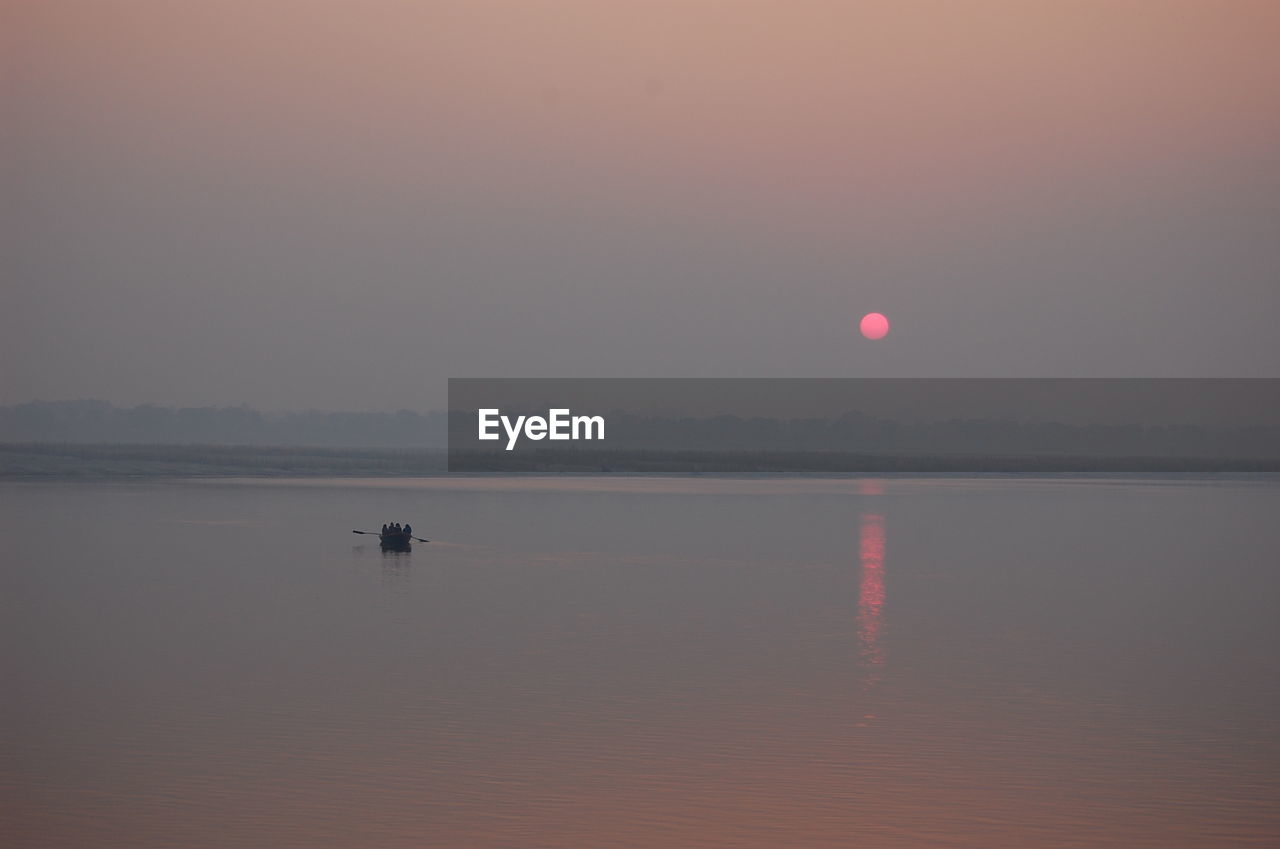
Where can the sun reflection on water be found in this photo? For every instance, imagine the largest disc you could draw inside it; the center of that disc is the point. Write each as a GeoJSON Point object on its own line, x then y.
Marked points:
{"type": "Point", "coordinates": [871, 546]}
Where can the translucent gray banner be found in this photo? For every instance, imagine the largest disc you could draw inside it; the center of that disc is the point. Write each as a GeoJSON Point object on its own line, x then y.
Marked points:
{"type": "Point", "coordinates": [854, 424]}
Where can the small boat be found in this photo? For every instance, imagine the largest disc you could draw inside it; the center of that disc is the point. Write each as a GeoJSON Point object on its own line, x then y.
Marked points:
{"type": "Point", "coordinates": [396, 541]}
{"type": "Point", "coordinates": [393, 540]}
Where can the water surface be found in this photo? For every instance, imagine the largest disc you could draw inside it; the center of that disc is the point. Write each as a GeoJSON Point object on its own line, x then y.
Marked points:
{"type": "Point", "coordinates": [627, 662]}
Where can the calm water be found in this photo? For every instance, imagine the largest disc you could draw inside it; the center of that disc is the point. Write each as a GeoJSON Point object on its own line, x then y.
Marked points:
{"type": "Point", "coordinates": [642, 662]}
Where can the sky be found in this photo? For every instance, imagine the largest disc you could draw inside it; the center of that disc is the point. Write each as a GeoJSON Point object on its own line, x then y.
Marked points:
{"type": "Point", "coordinates": [338, 205]}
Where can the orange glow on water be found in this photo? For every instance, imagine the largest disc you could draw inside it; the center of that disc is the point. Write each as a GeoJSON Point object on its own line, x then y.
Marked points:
{"type": "Point", "coordinates": [870, 486]}
{"type": "Point", "coordinates": [871, 591]}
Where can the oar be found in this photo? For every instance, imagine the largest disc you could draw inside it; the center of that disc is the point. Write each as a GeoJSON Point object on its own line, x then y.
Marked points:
{"type": "Point", "coordinates": [376, 534]}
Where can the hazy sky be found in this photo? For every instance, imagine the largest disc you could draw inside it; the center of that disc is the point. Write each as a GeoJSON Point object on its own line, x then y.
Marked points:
{"type": "Point", "coordinates": [295, 203]}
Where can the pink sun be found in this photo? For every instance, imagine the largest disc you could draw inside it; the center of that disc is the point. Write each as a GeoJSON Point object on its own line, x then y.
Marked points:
{"type": "Point", "coordinates": [874, 326]}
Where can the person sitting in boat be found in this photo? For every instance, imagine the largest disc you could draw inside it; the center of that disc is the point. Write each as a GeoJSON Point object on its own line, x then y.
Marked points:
{"type": "Point", "coordinates": [395, 529]}
{"type": "Point", "coordinates": [408, 529]}
{"type": "Point", "coordinates": [385, 528]}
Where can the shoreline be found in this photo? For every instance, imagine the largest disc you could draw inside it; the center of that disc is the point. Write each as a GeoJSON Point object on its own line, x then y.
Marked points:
{"type": "Point", "coordinates": [109, 461]}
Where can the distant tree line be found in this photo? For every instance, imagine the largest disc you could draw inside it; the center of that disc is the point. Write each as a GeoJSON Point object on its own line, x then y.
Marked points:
{"type": "Point", "coordinates": [112, 460]}
{"type": "Point", "coordinates": [101, 422]}
{"type": "Point", "coordinates": [72, 422]}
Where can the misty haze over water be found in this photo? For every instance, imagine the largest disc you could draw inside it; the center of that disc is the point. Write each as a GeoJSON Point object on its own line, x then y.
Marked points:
{"type": "Point", "coordinates": [205, 207]}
